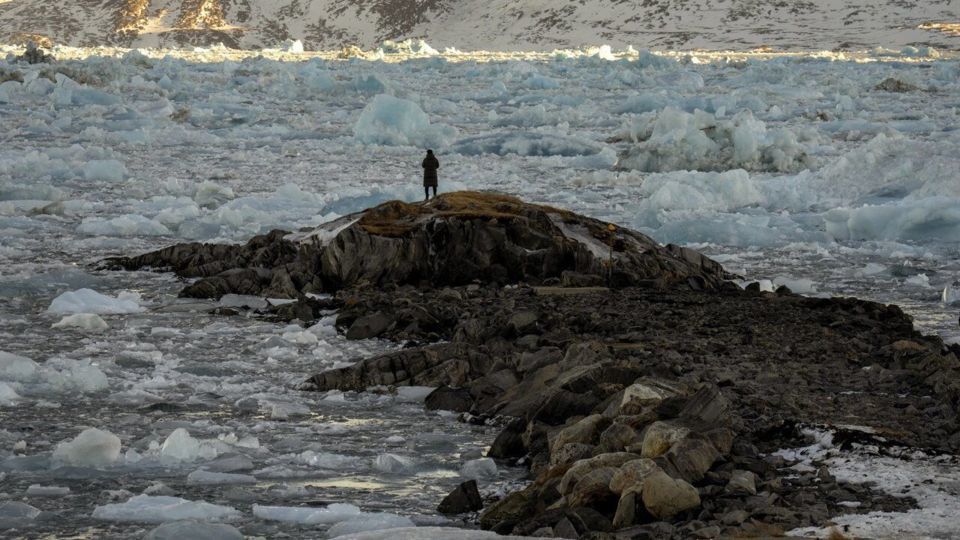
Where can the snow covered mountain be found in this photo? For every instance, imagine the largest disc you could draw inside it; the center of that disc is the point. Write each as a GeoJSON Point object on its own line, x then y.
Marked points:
{"type": "Point", "coordinates": [488, 24]}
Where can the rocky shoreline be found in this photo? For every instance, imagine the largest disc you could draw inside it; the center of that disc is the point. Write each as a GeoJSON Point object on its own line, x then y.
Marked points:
{"type": "Point", "coordinates": [646, 393]}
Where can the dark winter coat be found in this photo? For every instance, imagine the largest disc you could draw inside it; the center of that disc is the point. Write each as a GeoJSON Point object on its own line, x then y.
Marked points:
{"type": "Point", "coordinates": [430, 166]}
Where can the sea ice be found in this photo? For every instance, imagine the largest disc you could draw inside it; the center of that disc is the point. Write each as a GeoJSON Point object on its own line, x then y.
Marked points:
{"type": "Point", "coordinates": [159, 509]}
{"type": "Point", "coordinates": [17, 368]}
{"type": "Point", "coordinates": [109, 170]}
{"type": "Point", "coordinates": [91, 448]}
{"type": "Point", "coordinates": [393, 463]}
{"type": "Point", "coordinates": [16, 514]}
{"type": "Point", "coordinates": [369, 522]}
{"type": "Point", "coordinates": [89, 322]}
{"type": "Point", "coordinates": [333, 513]}
{"type": "Point", "coordinates": [206, 478]}
{"type": "Point", "coordinates": [479, 469]}
{"type": "Point", "coordinates": [328, 461]}
{"type": "Point", "coordinates": [37, 490]}
{"type": "Point", "coordinates": [126, 225]}
{"type": "Point", "coordinates": [181, 446]}
{"type": "Point", "coordinates": [673, 139]}
{"type": "Point", "coordinates": [429, 533]}
{"type": "Point", "coordinates": [399, 122]}
{"type": "Point", "coordinates": [90, 301]}
{"type": "Point", "coordinates": [8, 396]}
{"type": "Point", "coordinates": [527, 144]}
{"type": "Point", "coordinates": [194, 530]}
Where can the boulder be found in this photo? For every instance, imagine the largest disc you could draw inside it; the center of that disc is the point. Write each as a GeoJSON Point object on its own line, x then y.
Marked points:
{"type": "Point", "coordinates": [665, 497]}
{"type": "Point", "coordinates": [631, 475]}
{"type": "Point", "coordinates": [626, 514]}
{"type": "Point", "coordinates": [617, 437]}
{"type": "Point", "coordinates": [504, 514]}
{"type": "Point", "coordinates": [659, 436]}
{"type": "Point", "coordinates": [570, 453]}
{"type": "Point", "coordinates": [370, 326]}
{"type": "Point", "coordinates": [585, 431]}
{"type": "Point", "coordinates": [742, 483]}
{"type": "Point", "coordinates": [445, 398]}
{"type": "Point", "coordinates": [646, 393]}
{"type": "Point", "coordinates": [707, 406]}
{"type": "Point", "coordinates": [593, 489]}
{"type": "Point", "coordinates": [584, 466]}
{"type": "Point", "coordinates": [464, 498]}
{"type": "Point", "coordinates": [690, 458]}
{"type": "Point", "coordinates": [509, 443]}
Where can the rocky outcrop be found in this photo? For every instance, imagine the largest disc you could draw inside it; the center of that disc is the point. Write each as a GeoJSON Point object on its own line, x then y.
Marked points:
{"type": "Point", "coordinates": [647, 410]}
{"type": "Point", "coordinates": [454, 239]}
{"type": "Point", "coordinates": [642, 412]}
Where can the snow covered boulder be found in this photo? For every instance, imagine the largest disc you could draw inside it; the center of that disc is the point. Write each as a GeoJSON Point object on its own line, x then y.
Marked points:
{"type": "Point", "coordinates": [399, 122]}
{"type": "Point", "coordinates": [90, 301]}
{"type": "Point", "coordinates": [91, 448]}
{"type": "Point", "coordinates": [160, 509]}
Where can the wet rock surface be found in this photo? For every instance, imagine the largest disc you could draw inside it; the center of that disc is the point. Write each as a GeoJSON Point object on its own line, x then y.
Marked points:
{"type": "Point", "coordinates": [646, 410]}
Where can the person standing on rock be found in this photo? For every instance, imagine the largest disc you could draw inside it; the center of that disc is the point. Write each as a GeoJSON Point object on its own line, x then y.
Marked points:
{"type": "Point", "coordinates": [430, 165]}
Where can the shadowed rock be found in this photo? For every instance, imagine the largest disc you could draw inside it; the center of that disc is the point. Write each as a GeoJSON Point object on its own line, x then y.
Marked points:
{"type": "Point", "coordinates": [454, 239]}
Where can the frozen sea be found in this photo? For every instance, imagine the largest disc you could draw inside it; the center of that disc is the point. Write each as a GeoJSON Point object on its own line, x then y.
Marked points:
{"type": "Point", "coordinates": [832, 174]}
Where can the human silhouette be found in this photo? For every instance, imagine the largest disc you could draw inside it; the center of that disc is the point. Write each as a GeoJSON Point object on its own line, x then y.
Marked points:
{"type": "Point", "coordinates": [430, 165]}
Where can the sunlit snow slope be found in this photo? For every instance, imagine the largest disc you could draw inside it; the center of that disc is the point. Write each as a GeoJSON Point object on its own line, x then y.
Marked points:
{"type": "Point", "coordinates": [486, 24]}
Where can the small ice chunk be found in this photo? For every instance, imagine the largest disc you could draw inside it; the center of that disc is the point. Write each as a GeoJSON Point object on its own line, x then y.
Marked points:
{"type": "Point", "coordinates": [13, 511]}
{"type": "Point", "coordinates": [950, 295]}
{"type": "Point", "coordinates": [207, 478]}
{"type": "Point", "coordinates": [158, 488]}
{"type": "Point", "coordinates": [369, 522]}
{"type": "Point", "coordinates": [333, 513]}
{"type": "Point", "coordinates": [125, 225]}
{"type": "Point", "coordinates": [394, 121]}
{"type": "Point", "coordinates": [414, 394]}
{"type": "Point", "coordinates": [395, 440]}
{"type": "Point", "coordinates": [91, 448]}
{"type": "Point", "coordinates": [243, 301]}
{"type": "Point", "coordinates": [301, 338]}
{"type": "Point", "coordinates": [479, 469]}
{"type": "Point", "coordinates": [190, 529]}
{"type": "Point", "coordinates": [109, 170]}
{"type": "Point", "coordinates": [90, 322]}
{"type": "Point", "coordinates": [181, 446]}
{"type": "Point", "coordinates": [328, 461]}
{"type": "Point", "coordinates": [8, 396]}
{"type": "Point", "coordinates": [17, 368]}
{"type": "Point", "coordinates": [393, 463]}
{"type": "Point", "coordinates": [150, 509]}
{"type": "Point", "coordinates": [293, 46]}
{"type": "Point", "coordinates": [36, 490]}
{"type": "Point", "coordinates": [919, 280]}
{"type": "Point", "coordinates": [90, 301]}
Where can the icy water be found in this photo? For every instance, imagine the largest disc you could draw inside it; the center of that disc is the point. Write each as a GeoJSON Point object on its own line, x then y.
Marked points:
{"type": "Point", "coordinates": [826, 184]}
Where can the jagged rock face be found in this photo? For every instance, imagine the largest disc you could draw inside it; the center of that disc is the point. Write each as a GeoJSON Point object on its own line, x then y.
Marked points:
{"type": "Point", "coordinates": [454, 239]}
